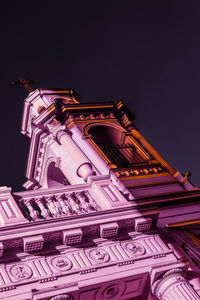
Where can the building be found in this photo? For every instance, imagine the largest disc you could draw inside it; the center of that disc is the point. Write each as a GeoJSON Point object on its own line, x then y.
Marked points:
{"type": "Point", "coordinates": [104, 216]}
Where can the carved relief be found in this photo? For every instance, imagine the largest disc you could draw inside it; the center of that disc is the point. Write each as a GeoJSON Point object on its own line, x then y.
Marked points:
{"type": "Point", "coordinates": [21, 271]}
{"type": "Point", "coordinates": [61, 263]}
{"type": "Point", "coordinates": [99, 255]}
{"type": "Point", "coordinates": [110, 292]}
{"type": "Point", "coordinates": [134, 248]}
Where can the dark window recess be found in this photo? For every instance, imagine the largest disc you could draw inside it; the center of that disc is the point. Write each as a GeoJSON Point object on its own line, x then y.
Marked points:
{"type": "Point", "coordinates": [123, 155]}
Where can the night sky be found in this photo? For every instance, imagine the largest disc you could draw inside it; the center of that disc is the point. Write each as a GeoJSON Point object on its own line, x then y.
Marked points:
{"type": "Point", "coordinates": [146, 53]}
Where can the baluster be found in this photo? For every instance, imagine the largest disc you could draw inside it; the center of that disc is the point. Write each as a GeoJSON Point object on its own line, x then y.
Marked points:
{"type": "Point", "coordinates": [74, 206]}
{"type": "Point", "coordinates": [92, 201]}
{"type": "Point", "coordinates": [84, 205]}
{"type": "Point", "coordinates": [64, 207]}
{"type": "Point", "coordinates": [57, 204]}
{"type": "Point", "coordinates": [44, 211]}
{"type": "Point", "coordinates": [33, 213]}
{"type": "Point", "coordinates": [52, 207]}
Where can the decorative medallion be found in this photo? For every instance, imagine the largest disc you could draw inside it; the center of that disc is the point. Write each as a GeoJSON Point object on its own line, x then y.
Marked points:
{"type": "Point", "coordinates": [99, 255]}
{"type": "Point", "coordinates": [110, 292]}
{"type": "Point", "coordinates": [134, 248]}
{"type": "Point", "coordinates": [61, 263]}
{"type": "Point", "coordinates": [21, 271]}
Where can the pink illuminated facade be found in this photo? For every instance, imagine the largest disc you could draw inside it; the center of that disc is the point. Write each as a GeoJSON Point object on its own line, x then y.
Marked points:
{"type": "Point", "coordinates": [104, 216]}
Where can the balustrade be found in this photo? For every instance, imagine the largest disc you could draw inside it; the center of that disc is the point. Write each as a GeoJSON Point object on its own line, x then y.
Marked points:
{"type": "Point", "coordinates": [60, 205]}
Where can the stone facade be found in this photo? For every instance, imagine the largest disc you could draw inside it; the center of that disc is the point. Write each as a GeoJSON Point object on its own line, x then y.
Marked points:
{"type": "Point", "coordinates": [104, 216]}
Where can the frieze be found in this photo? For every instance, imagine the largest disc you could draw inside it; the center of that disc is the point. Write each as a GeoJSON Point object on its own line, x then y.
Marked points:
{"type": "Point", "coordinates": [61, 263]}
{"type": "Point", "coordinates": [99, 255]}
{"type": "Point", "coordinates": [82, 261]}
{"type": "Point", "coordinates": [21, 271]}
{"type": "Point", "coordinates": [134, 248]}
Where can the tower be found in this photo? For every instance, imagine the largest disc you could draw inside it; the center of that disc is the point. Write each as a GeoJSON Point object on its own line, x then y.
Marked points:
{"type": "Point", "coordinates": [104, 216]}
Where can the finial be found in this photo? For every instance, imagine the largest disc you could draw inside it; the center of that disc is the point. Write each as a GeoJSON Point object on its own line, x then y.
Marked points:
{"type": "Point", "coordinates": [24, 82]}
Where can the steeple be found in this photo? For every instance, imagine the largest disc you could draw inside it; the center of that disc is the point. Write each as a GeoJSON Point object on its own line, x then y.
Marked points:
{"type": "Point", "coordinates": [71, 141]}
{"type": "Point", "coordinates": [104, 215]}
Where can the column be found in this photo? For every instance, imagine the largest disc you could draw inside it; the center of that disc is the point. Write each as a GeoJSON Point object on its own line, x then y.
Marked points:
{"type": "Point", "coordinates": [173, 286]}
{"type": "Point", "coordinates": [98, 162]}
{"type": "Point", "coordinates": [84, 166]}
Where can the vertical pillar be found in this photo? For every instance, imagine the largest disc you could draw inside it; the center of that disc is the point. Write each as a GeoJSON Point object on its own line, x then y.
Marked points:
{"type": "Point", "coordinates": [98, 162]}
{"type": "Point", "coordinates": [173, 286]}
{"type": "Point", "coordinates": [84, 166]}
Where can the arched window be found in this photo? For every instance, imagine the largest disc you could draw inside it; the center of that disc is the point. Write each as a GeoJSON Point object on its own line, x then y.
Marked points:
{"type": "Point", "coordinates": [117, 146]}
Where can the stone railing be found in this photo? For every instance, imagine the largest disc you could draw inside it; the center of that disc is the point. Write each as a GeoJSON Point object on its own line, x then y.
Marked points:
{"type": "Point", "coordinates": [58, 205]}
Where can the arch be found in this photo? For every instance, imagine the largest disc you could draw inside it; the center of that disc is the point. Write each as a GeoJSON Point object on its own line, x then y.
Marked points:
{"type": "Point", "coordinates": [54, 177]}
{"type": "Point", "coordinates": [112, 141]}
{"type": "Point", "coordinates": [87, 127]}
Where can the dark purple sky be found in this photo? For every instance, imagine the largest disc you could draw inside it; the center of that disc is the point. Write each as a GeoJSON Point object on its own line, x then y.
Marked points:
{"type": "Point", "coordinates": [144, 52]}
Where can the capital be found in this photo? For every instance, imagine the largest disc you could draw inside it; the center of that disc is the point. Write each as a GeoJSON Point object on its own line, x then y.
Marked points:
{"type": "Point", "coordinates": [173, 285]}
{"type": "Point", "coordinates": [60, 133]}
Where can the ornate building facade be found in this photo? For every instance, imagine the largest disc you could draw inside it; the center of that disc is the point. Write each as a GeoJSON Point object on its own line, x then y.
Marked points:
{"type": "Point", "coordinates": [104, 216]}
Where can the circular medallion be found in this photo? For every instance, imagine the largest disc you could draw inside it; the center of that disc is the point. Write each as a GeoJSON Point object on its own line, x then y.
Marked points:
{"type": "Point", "coordinates": [111, 291]}
{"type": "Point", "coordinates": [21, 271]}
{"type": "Point", "coordinates": [61, 263]}
{"type": "Point", "coordinates": [99, 255]}
{"type": "Point", "coordinates": [134, 248]}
